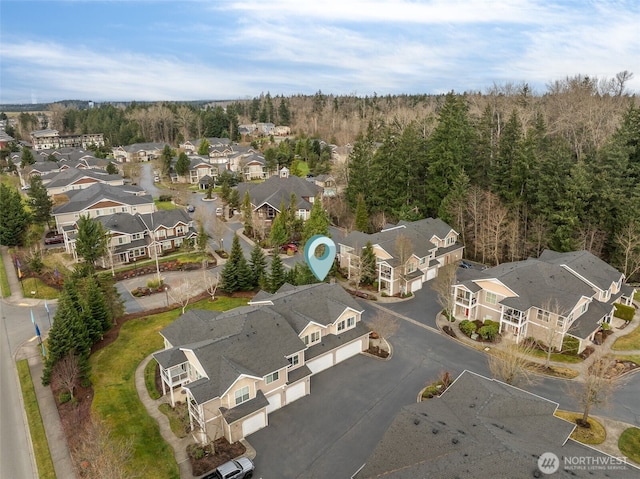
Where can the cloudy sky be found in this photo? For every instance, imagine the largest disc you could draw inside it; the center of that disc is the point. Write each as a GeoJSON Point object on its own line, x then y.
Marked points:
{"type": "Point", "coordinates": [192, 50]}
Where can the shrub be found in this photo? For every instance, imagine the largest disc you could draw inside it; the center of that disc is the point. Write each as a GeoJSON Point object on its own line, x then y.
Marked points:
{"type": "Point", "coordinates": [588, 351]}
{"type": "Point", "coordinates": [467, 327]}
{"type": "Point", "coordinates": [154, 283]}
{"type": "Point", "coordinates": [605, 326]}
{"type": "Point", "coordinates": [570, 345]}
{"type": "Point", "coordinates": [164, 198]}
{"type": "Point", "coordinates": [623, 311]}
{"type": "Point", "coordinates": [64, 397]}
{"type": "Point", "coordinates": [489, 331]}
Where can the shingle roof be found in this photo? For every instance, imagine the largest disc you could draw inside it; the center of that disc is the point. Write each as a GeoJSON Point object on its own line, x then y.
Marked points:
{"type": "Point", "coordinates": [81, 199]}
{"type": "Point", "coordinates": [275, 190]}
{"type": "Point", "coordinates": [69, 175]}
{"type": "Point", "coordinates": [122, 223]}
{"type": "Point", "coordinates": [166, 218]}
{"type": "Point", "coordinates": [478, 428]}
{"type": "Point", "coordinates": [586, 324]}
{"type": "Point", "coordinates": [585, 264]}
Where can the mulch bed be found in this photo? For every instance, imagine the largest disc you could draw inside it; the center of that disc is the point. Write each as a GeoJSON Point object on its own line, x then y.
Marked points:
{"type": "Point", "coordinates": [224, 452]}
{"type": "Point", "coordinates": [376, 351]}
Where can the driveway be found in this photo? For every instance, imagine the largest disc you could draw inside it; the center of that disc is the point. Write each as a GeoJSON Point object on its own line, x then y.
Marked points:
{"type": "Point", "coordinates": [332, 432]}
{"type": "Point", "coordinates": [422, 307]}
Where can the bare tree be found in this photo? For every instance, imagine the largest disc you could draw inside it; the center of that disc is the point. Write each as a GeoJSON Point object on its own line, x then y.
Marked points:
{"type": "Point", "coordinates": [403, 253]}
{"type": "Point", "coordinates": [596, 387]}
{"type": "Point", "coordinates": [443, 286]}
{"type": "Point", "coordinates": [99, 455]}
{"type": "Point", "coordinates": [66, 372]}
{"type": "Point", "coordinates": [218, 229]}
{"type": "Point", "coordinates": [511, 365]}
{"type": "Point", "coordinates": [384, 324]}
{"type": "Point", "coordinates": [628, 243]}
{"type": "Point", "coordinates": [212, 284]}
{"type": "Point", "coordinates": [182, 293]}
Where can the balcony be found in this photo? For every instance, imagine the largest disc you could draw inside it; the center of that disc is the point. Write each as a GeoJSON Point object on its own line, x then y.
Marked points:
{"type": "Point", "coordinates": [513, 316]}
{"type": "Point", "coordinates": [465, 301]}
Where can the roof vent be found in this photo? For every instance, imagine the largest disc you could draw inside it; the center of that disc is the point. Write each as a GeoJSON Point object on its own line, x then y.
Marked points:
{"type": "Point", "coordinates": [434, 430]}
{"type": "Point", "coordinates": [416, 421]}
{"type": "Point", "coordinates": [454, 440]}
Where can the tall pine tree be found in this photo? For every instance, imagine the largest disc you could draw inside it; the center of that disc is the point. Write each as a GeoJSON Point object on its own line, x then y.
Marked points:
{"type": "Point", "coordinates": [277, 276]}
{"type": "Point", "coordinates": [258, 265]}
{"type": "Point", "coordinates": [14, 218]}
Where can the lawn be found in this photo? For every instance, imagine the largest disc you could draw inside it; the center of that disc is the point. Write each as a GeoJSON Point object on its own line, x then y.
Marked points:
{"type": "Point", "coordinates": [116, 399]}
{"type": "Point", "coordinates": [629, 357]}
{"type": "Point", "coordinates": [5, 290]}
{"type": "Point", "coordinates": [36, 288]}
{"type": "Point", "coordinates": [595, 434]}
{"type": "Point", "coordinates": [36, 428]}
{"type": "Point", "coordinates": [629, 443]}
{"type": "Point", "coordinates": [557, 357]}
{"type": "Point", "coordinates": [628, 341]}
{"type": "Point", "coordinates": [165, 205]}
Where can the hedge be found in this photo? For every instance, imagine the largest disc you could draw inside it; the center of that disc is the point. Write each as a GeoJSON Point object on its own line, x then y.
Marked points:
{"type": "Point", "coordinates": [467, 327]}
{"type": "Point", "coordinates": [623, 311]}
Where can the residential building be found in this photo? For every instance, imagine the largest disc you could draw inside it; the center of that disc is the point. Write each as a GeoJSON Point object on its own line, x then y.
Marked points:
{"type": "Point", "coordinates": [268, 196]}
{"type": "Point", "coordinates": [69, 179]}
{"type": "Point", "coordinates": [326, 182]}
{"type": "Point", "coordinates": [239, 366]}
{"type": "Point", "coordinates": [548, 298]}
{"type": "Point", "coordinates": [50, 139]}
{"type": "Point", "coordinates": [199, 167]}
{"type": "Point", "coordinates": [138, 152]}
{"type": "Point", "coordinates": [480, 428]}
{"type": "Point", "coordinates": [99, 200]}
{"type": "Point", "coordinates": [134, 236]}
{"type": "Point", "coordinates": [407, 254]}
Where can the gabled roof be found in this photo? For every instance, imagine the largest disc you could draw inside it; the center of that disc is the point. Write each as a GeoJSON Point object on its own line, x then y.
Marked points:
{"type": "Point", "coordinates": [586, 324]}
{"type": "Point", "coordinates": [71, 175]}
{"type": "Point", "coordinates": [275, 190]}
{"type": "Point", "coordinates": [478, 428]}
{"type": "Point", "coordinates": [429, 227]}
{"type": "Point", "coordinates": [122, 223]}
{"type": "Point", "coordinates": [44, 167]}
{"type": "Point", "coordinates": [142, 147]}
{"type": "Point", "coordinates": [81, 199]}
{"type": "Point", "coordinates": [539, 284]}
{"type": "Point", "coordinates": [586, 265]}
{"type": "Point", "coordinates": [166, 218]}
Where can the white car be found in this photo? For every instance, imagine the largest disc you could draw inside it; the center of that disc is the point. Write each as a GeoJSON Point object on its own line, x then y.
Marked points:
{"type": "Point", "coordinates": [219, 212]}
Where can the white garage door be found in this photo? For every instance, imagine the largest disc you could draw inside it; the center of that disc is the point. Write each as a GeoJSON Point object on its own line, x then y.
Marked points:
{"type": "Point", "coordinates": [295, 392]}
{"type": "Point", "coordinates": [431, 273]}
{"type": "Point", "coordinates": [253, 424]}
{"type": "Point", "coordinates": [416, 285]}
{"type": "Point", "coordinates": [347, 351]}
{"type": "Point", "coordinates": [275, 402]}
{"type": "Point", "coordinates": [321, 363]}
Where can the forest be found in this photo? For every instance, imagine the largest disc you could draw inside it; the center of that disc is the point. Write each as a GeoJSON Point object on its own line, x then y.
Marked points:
{"type": "Point", "coordinates": [513, 170]}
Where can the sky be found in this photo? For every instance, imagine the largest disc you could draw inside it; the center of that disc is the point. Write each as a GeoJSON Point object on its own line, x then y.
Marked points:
{"type": "Point", "coordinates": [219, 50]}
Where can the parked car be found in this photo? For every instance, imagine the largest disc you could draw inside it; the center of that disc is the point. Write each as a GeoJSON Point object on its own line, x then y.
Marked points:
{"type": "Point", "coordinates": [55, 239]}
{"type": "Point", "coordinates": [156, 179]}
{"type": "Point", "coordinates": [241, 468]}
{"type": "Point", "coordinates": [465, 265]}
{"type": "Point", "coordinates": [191, 208]}
{"type": "Point", "coordinates": [219, 212]}
{"type": "Point", "coordinates": [289, 247]}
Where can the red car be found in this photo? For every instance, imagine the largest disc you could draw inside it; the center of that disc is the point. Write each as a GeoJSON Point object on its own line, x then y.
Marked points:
{"type": "Point", "coordinates": [289, 247]}
{"type": "Point", "coordinates": [57, 239]}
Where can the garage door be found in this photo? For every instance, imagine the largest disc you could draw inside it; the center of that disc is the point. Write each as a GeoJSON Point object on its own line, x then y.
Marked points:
{"type": "Point", "coordinates": [295, 392]}
{"type": "Point", "coordinates": [431, 273]}
{"type": "Point", "coordinates": [347, 351]}
{"type": "Point", "coordinates": [254, 423]}
{"type": "Point", "coordinates": [275, 402]}
{"type": "Point", "coordinates": [416, 285]}
{"type": "Point", "coordinates": [321, 363]}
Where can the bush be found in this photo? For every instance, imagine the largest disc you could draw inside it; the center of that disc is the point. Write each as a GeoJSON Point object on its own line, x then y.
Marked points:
{"type": "Point", "coordinates": [605, 326]}
{"type": "Point", "coordinates": [64, 397]}
{"type": "Point", "coordinates": [623, 311]}
{"type": "Point", "coordinates": [164, 198]}
{"type": "Point", "coordinates": [467, 327]}
{"type": "Point", "coordinates": [154, 283]}
{"type": "Point", "coordinates": [489, 331]}
{"type": "Point", "coordinates": [570, 345]}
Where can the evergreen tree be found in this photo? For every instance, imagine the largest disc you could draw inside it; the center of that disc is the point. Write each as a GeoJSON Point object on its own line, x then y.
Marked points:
{"type": "Point", "coordinates": [361, 216]}
{"type": "Point", "coordinates": [258, 264]}
{"type": "Point", "coordinates": [225, 191]}
{"type": "Point", "coordinates": [277, 276]}
{"type": "Point", "coordinates": [91, 241]}
{"type": "Point", "coordinates": [97, 309]}
{"type": "Point", "coordinates": [236, 274]}
{"type": "Point", "coordinates": [202, 238]}
{"type": "Point", "coordinates": [284, 114]}
{"type": "Point", "coordinates": [41, 203]}
{"type": "Point", "coordinates": [234, 201]}
{"type": "Point", "coordinates": [278, 234]}
{"type": "Point", "coordinates": [183, 164]}
{"type": "Point", "coordinates": [318, 222]}
{"type": "Point", "coordinates": [301, 274]}
{"type": "Point", "coordinates": [247, 215]}
{"type": "Point", "coordinates": [112, 169]}
{"type": "Point", "coordinates": [14, 218]}
{"type": "Point", "coordinates": [368, 265]}
{"type": "Point", "coordinates": [203, 148]}
{"type": "Point", "coordinates": [359, 170]}
{"type": "Point", "coordinates": [27, 157]}
{"type": "Point", "coordinates": [165, 160]}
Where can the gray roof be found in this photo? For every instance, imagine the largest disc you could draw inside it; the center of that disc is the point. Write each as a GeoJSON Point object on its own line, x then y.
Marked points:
{"type": "Point", "coordinates": [143, 147]}
{"type": "Point", "coordinates": [70, 175]}
{"type": "Point", "coordinates": [275, 190]}
{"type": "Point", "coordinates": [122, 223]}
{"type": "Point", "coordinates": [586, 265]}
{"type": "Point", "coordinates": [478, 428]}
{"type": "Point", "coordinates": [585, 325]}
{"type": "Point", "coordinates": [537, 284]}
{"type": "Point", "coordinates": [82, 199]}
{"type": "Point", "coordinates": [43, 167]}
{"type": "Point", "coordinates": [428, 227]}
{"type": "Point", "coordinates": [166, 218]}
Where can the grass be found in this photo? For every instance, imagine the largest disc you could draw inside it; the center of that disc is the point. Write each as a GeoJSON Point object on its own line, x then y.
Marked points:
{"type": "Point", "coordinates": [560, 358]}
{"type": "Point", "coordinates": [150, 379]}
{"type": "Point", "coordinates": [41, 289]}
{"type": "Point", "coordinates": [165, 205]}
{"type": "Point", "coordinates": [183, 257]}
{"type": "Point", "coordinates": [629, 443]}
{"type": "Point", "coordinates": [628, 341]}
{"type": "Point", "coordinates": [36, 428]}
{"type": "Point", "coordinates": [596, 434]}
{"type": "Point", "coordinates": [629, 357]}
{"type": "Point", "coordinates": [5, 289]}
{"type": "Point", "coordinates": [116, 400]}
{"type": "Point", "coordinates": [558, 372]}
{"type": "Point", "coordinates": [178, 418]}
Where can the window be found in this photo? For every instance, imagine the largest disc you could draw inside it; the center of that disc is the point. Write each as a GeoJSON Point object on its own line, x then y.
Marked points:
{"type": "Point", "coordinates": [351, 321]}
{"type": "Point", "coordinates": [306, 340]}
{"type": "Point", "coordinates": [422, 260]}
{"type": "Point", "coordinates": [342, 325]}
{"type": "Point", "coordinates": [585, 305]}
{"type": "Point", "coordinates": [411, 267]}
{"type": "Point", "coordinates": [451, 240]}
{"type": "Point", "coordinates": [491, 298]}
{"type": "Point", "coordinates": [271, 378]}
{"type": "Point", "coordinates": [542, 316]}
{"type": "Point", "coordinates": [294, 360]}
{"type": "Point", "coordinates": [560, 322]}
{"type": "Point", "coordinates": [315, 337]}
{"type": "Point", "coordinates": [242, 395]}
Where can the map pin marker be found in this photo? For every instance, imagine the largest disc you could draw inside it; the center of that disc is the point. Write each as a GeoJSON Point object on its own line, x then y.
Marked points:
{"type": "Point", "coordinates": [320, 266]}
